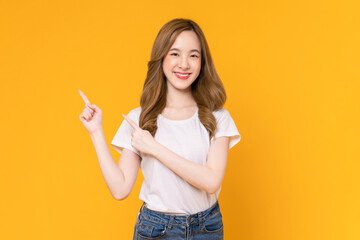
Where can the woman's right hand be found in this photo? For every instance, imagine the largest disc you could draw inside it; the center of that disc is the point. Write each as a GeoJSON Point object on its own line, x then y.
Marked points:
{"type": "Point", "coordinates": [91, 116]}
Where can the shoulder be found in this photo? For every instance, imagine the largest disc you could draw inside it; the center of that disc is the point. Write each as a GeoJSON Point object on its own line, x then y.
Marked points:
{"type": "Point", "coordinates": [225, 126]}
{"type": "Point", "coordinates": [135, 113]}
{"type": "Point", "coordinates": [221, 113]}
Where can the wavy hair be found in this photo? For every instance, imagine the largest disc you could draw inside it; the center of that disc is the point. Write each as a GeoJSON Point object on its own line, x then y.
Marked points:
{"type": "Point", "coordinates": [207, 90]}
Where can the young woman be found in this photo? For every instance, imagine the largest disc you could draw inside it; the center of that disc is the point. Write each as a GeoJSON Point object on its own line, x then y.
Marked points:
{"type": "Point", "coordinates": [180, 136]}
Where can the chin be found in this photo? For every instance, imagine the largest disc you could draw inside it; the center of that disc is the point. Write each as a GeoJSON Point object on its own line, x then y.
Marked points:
{"type": "Point", "coordinates": [181, 87]}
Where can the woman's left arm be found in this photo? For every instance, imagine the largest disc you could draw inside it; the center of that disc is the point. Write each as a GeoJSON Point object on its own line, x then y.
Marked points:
{"type": "Point", "coordinates": [207, 177]}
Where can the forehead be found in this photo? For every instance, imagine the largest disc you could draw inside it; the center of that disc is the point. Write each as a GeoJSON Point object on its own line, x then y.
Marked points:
{"type": "Point", "coordinates": [187, 40]}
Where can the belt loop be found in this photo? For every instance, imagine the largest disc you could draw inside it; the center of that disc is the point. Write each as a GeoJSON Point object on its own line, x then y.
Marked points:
{"type": "Point", "coordinates": [201, 220]}
{"type": "Point", "coordinates": [171, 221]}
{"type": "Point", "coordinates": [142, 206]}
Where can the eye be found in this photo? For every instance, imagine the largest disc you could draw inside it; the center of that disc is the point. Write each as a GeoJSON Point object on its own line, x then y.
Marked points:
{"type": "Point", "coordinates": [173, 54]}
{"type": "Point", "coordinates": [194, 55]}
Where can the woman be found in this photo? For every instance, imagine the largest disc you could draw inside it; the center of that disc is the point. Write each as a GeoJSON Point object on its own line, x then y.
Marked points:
{"type": "Point", "coordinates": [180, 135]}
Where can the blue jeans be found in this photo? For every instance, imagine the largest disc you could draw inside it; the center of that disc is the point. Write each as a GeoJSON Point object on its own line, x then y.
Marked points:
{"type": "Point", "coordinates": [207, 224]}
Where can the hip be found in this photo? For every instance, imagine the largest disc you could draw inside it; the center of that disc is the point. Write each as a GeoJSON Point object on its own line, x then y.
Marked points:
{"type": "Point", "coordinates": [206, 224]}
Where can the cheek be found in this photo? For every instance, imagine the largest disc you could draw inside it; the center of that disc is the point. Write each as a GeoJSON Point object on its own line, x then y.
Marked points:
{"type": "Point", "coordinates": [197, 65]}
{"type": "Point", "coordinates": [164, 64]}
{"type": "Point", "coordinates": [168, 64]}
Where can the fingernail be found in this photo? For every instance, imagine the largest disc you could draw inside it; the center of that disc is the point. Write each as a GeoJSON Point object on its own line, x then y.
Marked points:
{"type": "Point", "coordinates": [123, 115]}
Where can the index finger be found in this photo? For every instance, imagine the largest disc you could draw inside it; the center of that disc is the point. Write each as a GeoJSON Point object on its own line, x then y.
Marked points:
{"type": "Point", "coordinates": [86, 100]}
{"type": "Point", "coordinates": [131, 122]}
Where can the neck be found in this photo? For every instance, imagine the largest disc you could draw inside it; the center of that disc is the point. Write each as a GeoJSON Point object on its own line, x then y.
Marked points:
{"type": "Point", "coordinates": [179, 99]}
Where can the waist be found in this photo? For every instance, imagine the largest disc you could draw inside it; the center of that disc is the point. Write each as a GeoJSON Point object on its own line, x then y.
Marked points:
{"type": "Point", "coordinates": [162, 212]}
{"type": "Point", "coordinates": [182, 205]}
{"type": "Point", "coordinates": [164, 217]}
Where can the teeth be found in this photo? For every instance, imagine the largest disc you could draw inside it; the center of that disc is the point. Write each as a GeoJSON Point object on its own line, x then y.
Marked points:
{"type": "Point", "coordinates": [183, 75]}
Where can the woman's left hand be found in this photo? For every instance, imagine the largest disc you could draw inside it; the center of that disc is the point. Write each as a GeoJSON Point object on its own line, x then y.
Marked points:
{"type": "Point", "coordinates": [141, 140]}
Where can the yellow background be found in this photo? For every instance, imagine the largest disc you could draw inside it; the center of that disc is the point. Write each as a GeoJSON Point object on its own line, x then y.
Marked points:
{"type": "Point", "coordinates": [291, 71]}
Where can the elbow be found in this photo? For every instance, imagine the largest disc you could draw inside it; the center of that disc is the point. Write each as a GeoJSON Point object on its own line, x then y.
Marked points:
{"type": "Point", "coordinates": [120, 196]}
{"type": "Point", "coordinates": [213, 183]}
{"type": "Point", "coordinates": [212, 189]}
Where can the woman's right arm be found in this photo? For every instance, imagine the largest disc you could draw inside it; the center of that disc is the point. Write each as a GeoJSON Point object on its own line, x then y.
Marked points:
{"type": "Point", "coordinates": [120, 178]}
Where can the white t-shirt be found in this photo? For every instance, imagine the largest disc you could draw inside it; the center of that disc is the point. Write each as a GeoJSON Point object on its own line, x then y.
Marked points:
{"type": "Point", "coordinates": [163, 190]}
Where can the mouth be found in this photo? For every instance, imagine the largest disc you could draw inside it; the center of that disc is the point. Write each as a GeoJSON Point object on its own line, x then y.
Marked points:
{"type": "Point", "coordinates": [182, 75]}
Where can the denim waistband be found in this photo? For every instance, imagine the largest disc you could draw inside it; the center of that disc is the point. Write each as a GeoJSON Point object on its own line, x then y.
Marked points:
{"type": "Point", "coordinates": [164, 218]}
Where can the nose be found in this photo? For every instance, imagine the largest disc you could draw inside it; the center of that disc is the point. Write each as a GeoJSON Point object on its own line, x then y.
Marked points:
{"type": "Point", "coordinates": [184, 63]}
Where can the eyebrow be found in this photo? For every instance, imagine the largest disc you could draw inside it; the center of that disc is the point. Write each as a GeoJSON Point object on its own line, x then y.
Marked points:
{"type": "Point", "coordinates": [193, 50]}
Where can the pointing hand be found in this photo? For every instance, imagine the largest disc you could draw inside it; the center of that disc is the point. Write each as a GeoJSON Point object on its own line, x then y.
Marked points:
{"type": "Point", "coordinates": [91, 116]}
{"type": "Point", "coordinates": [141, 140]}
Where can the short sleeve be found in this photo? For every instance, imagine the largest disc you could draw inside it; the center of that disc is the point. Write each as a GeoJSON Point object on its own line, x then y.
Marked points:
{"type": "Point", "coordinates": [225, 126]}
{"type": "Point", "coordinates": [122, 138]}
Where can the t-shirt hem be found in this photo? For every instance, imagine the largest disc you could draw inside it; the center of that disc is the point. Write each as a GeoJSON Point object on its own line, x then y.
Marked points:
{"type": "Point", "coordinates": [234, 137]}
{"type": "Point", "coordinates": [120, 148]}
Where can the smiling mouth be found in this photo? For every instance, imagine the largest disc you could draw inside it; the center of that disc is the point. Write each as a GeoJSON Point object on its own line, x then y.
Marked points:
{"type": "Point", "coordinates": [182, 76]}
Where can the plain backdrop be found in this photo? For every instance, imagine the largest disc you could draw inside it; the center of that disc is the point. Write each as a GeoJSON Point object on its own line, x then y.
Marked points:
{"type": "Point", "coordinates": [291, 72]}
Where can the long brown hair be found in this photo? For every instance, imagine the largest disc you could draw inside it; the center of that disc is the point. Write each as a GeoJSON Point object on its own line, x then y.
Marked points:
{"type": "Point", "coordinates": [207, 90]}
